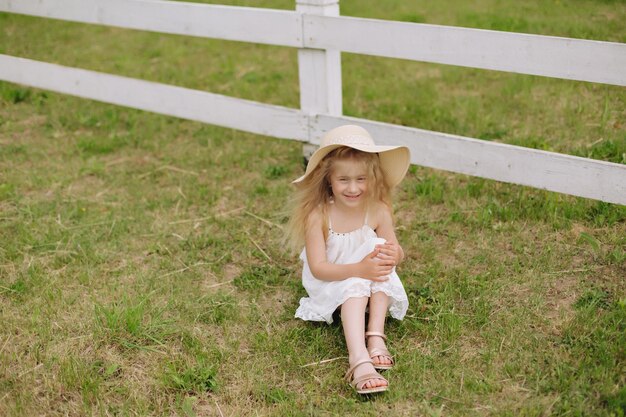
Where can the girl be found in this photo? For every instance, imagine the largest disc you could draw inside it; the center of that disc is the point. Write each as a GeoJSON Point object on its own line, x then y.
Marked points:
{"type": "Point", "coordinates": [342, 215]}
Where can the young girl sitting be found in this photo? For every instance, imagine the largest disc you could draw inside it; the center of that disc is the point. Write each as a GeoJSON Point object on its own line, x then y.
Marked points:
{"type": "Point", "coordinates": [343, 217]}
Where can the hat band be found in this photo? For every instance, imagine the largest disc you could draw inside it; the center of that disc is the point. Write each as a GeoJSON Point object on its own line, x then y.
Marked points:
{"type": "Point", "coordinates": [350, 140]}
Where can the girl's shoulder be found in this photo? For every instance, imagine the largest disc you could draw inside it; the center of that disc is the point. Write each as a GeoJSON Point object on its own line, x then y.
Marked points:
{"type": "Point", "coordinates": [316, 217]}
{"type": "Point", "coordinates": [378, 213]}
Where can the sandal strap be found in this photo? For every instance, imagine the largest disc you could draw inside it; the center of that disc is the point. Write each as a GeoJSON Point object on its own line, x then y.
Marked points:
{"type": "Point", "coordinates": [379, 334]}
{"type": "Point", "coordinates": [366, 377]}
{"type": "Point", "coordinates": [380, 352]}
{"type": "Point", "coordinates": [350, 372]}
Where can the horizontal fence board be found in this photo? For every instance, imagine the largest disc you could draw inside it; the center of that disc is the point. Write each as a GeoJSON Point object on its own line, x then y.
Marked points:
{"type": "Point", "coordinates": [551, 171]}
{"type": "Point", "coordinates": [545, 170]}
{"type": "Point", "coordinates": [573, 59]}
{"type": "Point", "coordinates": [249, 116]}
{"type": "Point", "coordinates": [267, 26]}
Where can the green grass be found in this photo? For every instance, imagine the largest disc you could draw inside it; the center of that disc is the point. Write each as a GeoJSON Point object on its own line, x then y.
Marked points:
{"type": "Point", "coordinates": [141, 266]}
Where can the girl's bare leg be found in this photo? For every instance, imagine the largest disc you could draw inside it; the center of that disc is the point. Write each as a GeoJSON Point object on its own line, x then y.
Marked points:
{"type": "Point", "coordinates": [353, 321]}
{"type": "Point", "coordinates": [379, 302]}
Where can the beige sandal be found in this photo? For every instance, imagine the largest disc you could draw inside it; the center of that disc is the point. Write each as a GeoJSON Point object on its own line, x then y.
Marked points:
{"type": "Point", "coordinates": [379, 352]}
{"type": "Point", "coordinates": [354, 382]}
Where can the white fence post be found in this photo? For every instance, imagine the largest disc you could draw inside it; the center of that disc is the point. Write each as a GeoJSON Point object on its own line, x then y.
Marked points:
{"type": "Point", "coordinates": [319, 71]}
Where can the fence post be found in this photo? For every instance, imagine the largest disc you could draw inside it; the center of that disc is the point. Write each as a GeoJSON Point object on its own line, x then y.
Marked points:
{"type": "Point", "coordinates": [320, 72]}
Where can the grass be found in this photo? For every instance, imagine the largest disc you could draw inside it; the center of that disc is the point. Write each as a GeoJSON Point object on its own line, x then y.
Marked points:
{"type": "Point", "coordinates": [141, 270]}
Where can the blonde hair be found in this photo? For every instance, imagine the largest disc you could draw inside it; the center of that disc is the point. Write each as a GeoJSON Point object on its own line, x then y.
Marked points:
{"type": "Point", "coordinates": [314, 191]}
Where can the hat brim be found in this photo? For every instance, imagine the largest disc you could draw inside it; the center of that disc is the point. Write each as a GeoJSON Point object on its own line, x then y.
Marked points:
{"type": "Point", "coordinates": [394, 160]}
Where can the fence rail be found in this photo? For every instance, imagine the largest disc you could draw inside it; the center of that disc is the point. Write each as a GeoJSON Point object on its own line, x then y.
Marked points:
{"type": "Point", "coordinates": [246, 24]}
{"type": "Point", "coordinates": [551, 56]}
{"type": "Point", "coordinates": [220, 110]}
{"type": "Point", "coordinates": [552, 171]}
{"type": "Point", "coordinates": [573, 59]}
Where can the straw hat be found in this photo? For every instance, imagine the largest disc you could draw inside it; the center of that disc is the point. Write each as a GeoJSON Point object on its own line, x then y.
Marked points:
{"type": "Point", "coordinates": [394, 160]}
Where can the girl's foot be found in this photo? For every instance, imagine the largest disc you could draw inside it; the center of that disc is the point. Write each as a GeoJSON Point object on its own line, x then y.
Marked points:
{"type": "Point", "coordinates": [368, 368]}
{"type": "Point", "coordinates": [364, 378]}
{"type": "Point", "coordinates": [378, 350]}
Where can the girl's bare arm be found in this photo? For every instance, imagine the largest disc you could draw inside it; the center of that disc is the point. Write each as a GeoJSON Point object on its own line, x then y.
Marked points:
{"type": "Point", "coordinates": [391, 249]}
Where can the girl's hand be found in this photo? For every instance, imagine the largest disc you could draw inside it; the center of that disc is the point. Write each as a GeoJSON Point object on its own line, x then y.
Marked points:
{"type": "Point", "coordinates": [390, 251]}
{"type": "Point", "coordinates": [374, 268]}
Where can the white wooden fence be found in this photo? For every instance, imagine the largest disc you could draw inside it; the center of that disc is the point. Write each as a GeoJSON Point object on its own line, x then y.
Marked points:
{"type": "Point", "coordinates": [317, 30]}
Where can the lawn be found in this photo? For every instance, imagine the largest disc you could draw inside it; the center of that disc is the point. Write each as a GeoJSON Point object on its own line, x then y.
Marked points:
{"type": "Point", "coordinates": [141, 264]}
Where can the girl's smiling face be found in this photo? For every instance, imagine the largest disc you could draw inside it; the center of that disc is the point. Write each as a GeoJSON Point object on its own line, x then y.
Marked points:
{"type": "Point", "coordinates": [348, 182]}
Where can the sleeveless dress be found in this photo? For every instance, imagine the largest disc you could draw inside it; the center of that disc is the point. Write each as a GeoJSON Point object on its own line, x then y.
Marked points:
{"type": "Point", "coordinates": [325, 296]}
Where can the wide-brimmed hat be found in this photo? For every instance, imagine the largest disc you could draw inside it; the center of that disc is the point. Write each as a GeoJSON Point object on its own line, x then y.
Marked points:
{"type": "Point", "coordinates": [394, 160]}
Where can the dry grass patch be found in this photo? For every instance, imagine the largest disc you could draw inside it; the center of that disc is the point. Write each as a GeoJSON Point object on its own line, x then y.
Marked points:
{"type": "Point", "coordinates": [560, 296]}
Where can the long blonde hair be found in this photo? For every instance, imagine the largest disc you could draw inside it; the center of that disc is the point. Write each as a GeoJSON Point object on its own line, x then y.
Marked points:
{"type": "Point", "coordinates": [315, 191]}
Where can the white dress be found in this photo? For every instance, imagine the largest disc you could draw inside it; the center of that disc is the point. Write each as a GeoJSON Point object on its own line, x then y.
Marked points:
{"type": "Point", "coordinates": [325, 296]}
